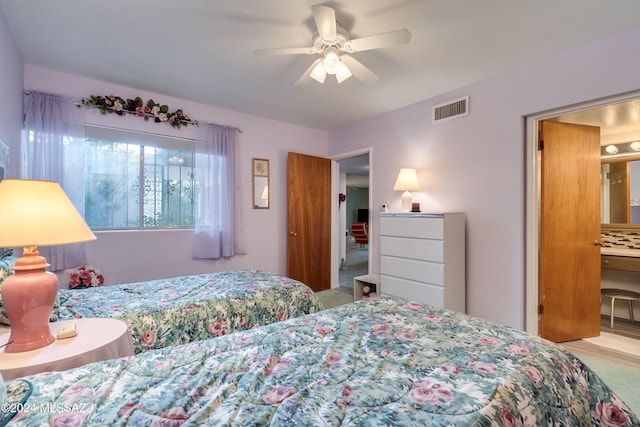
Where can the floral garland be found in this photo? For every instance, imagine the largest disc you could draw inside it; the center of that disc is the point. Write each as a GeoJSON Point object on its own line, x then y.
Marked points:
{"type": "Point", "coordinates": [117, 105]}
{"type": "Point", "coordinates": [84, 276]}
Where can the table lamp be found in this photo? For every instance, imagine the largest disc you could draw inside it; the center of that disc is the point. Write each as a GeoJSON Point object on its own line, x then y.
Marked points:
{"type": "Point", "coordinates": [34, 213]}
{"type": "Point", "coordinates": [408, 181]}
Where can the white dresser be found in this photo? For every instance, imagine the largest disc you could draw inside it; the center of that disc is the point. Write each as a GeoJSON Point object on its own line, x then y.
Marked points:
{"type": "Point", "coordinates": [422, 258]}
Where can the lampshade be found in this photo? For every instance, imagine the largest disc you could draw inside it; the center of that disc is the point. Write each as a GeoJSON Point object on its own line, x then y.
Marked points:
{"type": "Point", "coordinates": [32, 214]}
{"type": "Point", "coordinates": [38, 213]}
{"type": "Point", "coordinates": [318, 73]}
{"type": "Point", "coordinates": [407, 180]}
{"type": "Point", "coordinates": [331, 60]}
{"type": "Point", "coordinates": [343, 72]}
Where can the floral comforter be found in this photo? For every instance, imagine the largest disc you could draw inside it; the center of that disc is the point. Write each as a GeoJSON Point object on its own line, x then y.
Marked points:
{"type": "Point", "coordinates": [189, 308]}
{"type": "Point", "coordinates": [379, 361]}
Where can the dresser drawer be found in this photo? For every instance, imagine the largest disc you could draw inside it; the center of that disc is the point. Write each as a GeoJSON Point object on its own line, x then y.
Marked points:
{"type": "Point", "coordinates": [420, 271]}
{"type": "Point", "coordinates": [404, 247]}
{"type": "Point", "coordinates": [623, 263]}
{"type": "Point", "coordinates": [421, 228]}
{"type": "Point", "coordinates": [413, 291]}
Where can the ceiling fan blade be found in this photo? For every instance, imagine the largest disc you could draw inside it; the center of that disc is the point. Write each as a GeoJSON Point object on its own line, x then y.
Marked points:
{"type": "Point", "coordinates": [306, 77]}
{"type": "Point", "coordinates": [285, 51]}
{"type": "Point", "coordinates": [361, 72]}
{"type": "Point", "coordinates": [392, 38]}
{"type": "Point", "coordinates": [325, 18]}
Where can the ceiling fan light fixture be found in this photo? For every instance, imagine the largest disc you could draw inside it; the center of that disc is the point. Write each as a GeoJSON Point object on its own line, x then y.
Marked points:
{"type": "Point", "coordinates": [334, 43]}
{"type": "Point", "coordinates": [318, 73]}
{"type": "Point", "coordinates": [343, 72]}
{"type": "Point", "coordinates": [331, 60]}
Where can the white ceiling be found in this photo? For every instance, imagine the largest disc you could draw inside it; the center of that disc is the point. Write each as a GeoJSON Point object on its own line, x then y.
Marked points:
{"type": "Point", "coordinates": [201, 50]}
{"type": "Point", "coordinates": [618, 121]}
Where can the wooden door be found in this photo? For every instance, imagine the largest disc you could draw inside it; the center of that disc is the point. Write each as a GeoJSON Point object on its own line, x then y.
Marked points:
{"type": "Point", "coordinates": [569, 231]}
{"type": "Point", "coordinates": [309, 220]}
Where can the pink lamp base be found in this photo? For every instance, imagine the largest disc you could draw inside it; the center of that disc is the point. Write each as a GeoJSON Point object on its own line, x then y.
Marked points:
{"type": "Point", "coordinates": [28, 297]}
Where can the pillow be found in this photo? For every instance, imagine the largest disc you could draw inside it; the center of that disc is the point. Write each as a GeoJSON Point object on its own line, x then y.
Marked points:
{"type": "Point", "coordinates": [83, 277]}
{"type": "Point", "coordinates": [7, 260]}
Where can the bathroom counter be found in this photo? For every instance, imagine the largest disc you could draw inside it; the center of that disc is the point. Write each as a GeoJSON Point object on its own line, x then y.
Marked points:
{"type": "Point", "coordinates": [623, 252]}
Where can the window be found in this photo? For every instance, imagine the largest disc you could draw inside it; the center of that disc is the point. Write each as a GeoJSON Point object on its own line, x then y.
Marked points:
{"type": "Point", "coordinates": [138, 181]}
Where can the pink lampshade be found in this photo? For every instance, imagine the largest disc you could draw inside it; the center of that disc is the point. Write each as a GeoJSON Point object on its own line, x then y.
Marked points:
{"type": "Point", "coordinates": [34, 213]}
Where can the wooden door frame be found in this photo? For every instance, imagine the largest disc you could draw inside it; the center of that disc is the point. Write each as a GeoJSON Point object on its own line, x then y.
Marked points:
{"type": "Point", "coordinates": [532, 202]}
{"type": "Point", "coordinates": [335, 218]}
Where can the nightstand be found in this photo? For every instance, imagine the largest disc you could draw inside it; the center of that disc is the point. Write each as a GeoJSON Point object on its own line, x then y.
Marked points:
{"type": "Point", "coordinates": [97, 339]}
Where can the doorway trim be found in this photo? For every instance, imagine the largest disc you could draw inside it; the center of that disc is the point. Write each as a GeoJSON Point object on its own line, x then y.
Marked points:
{"type": "Point", "coordinates": [532, 199]}
{"type": "Point", "coordinates": [335, 218]}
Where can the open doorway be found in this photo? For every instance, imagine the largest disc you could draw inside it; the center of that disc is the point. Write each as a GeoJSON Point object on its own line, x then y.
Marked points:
{"type": "Point", "coordinates": [353, 217]}
{"type": "Point", "coordinates": [619, 122]}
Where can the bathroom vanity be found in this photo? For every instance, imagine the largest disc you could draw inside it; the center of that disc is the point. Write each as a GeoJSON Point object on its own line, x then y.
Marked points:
{"type": "Point", "coordinates": [620, 259]}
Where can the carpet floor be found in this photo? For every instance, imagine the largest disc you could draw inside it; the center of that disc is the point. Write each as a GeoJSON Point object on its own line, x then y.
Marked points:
{"type": "Point", "coordinates": [334, 297]}
{"type": "Point", "coordinates": [621, 379]}
{"type": "Point", "coordinates": [356, 264]}
{"type": "Point", "coordinates": [614, 360]}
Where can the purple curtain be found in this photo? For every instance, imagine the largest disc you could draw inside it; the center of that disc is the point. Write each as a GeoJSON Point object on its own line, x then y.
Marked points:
{"type": "Point", "coordinates": [218, 230]}
{"type": "Point", "coordinates": [52, 150]}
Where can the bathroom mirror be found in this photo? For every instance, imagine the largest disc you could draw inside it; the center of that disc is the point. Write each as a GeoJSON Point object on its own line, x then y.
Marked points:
{"type": "Point", "coordinates": [620, 192]}
{"type": "Point", "coordinates": [260, 183]}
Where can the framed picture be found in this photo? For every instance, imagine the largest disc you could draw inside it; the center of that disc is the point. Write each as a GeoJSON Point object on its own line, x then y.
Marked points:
{"type": "Point", "coordinates": [260, 184]}
{"type": "Point", "coordinates": [260, 167]}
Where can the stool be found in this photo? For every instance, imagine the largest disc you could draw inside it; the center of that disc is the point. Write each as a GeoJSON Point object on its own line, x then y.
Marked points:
{"type": "Point", "coordinates": [630, 296]}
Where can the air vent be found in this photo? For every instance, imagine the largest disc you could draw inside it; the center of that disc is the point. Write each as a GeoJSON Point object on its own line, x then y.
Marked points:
{"type": "Point", "coordinates": [451, 110]}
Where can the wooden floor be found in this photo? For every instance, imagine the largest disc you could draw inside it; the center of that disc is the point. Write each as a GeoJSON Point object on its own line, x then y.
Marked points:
{"type": "Point", "coordinates": [621, 327]}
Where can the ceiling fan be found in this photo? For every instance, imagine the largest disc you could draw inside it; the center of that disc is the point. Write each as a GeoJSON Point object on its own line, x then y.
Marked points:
{"type": "Point", "coordinates": [333, 43]}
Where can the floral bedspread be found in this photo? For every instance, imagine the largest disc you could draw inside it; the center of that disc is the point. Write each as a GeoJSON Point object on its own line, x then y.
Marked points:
{"type": "Point", "coordinates": [189, 308]}
{"type": "Point", "coordinates": [379, 361]}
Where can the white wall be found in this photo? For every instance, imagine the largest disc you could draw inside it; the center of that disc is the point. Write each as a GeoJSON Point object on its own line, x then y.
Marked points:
{"type": "Point", "coordinates": [10, 91]}
{"type": "Point", "coordinates": [135, 256]}
{"type": "Point", "coordinates": [476, 164]}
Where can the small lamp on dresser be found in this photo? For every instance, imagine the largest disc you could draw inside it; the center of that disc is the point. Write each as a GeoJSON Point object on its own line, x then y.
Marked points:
{"type": "Point", "coordinates": [34, 213]}
{"type": "Point", "coordinates": [407, 181]}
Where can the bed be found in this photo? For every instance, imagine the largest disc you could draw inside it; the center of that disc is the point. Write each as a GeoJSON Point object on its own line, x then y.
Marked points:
{"type": "Point", "coordinates": [379, 361]}
{"type": "Point", "coordinates": [188, 308]}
